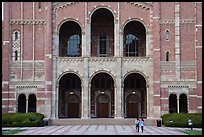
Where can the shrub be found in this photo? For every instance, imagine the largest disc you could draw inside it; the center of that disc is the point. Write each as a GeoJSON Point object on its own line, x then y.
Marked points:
{"type": "Point", "coordinates": [22, 119]}
{"type": "Point", "coordinates": [180, 119]}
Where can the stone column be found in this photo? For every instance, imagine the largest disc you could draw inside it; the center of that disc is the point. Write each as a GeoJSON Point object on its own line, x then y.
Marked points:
{"type": "Point", "coordinates": [85, 91]}
{"type": "Point", "coordinates": [27, 103]}
{"type": "Point", "coordinates": [54, 104]}
{"type": "Point", "coordinates": [118, 93]}
{"type": "Point", "coordinates": [88, 38]}
{"type": "Point", "coordinates": [177, 104]}
{"type": "Point", "coordinates": [116, 39]}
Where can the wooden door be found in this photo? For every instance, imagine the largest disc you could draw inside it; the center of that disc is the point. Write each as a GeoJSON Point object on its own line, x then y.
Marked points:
{"type": "Point", "coordinates": [132, 110]}
{"type": "Point", "coordinates": [102, 110]}
{"type": "Point", "coordinates": [73, 110]}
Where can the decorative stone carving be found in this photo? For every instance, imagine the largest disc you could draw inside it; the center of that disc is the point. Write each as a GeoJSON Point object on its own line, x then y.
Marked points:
{"type": "Point", "coordinates": [166, 22]}
{"type": "Point", "coordinates": [60, 5]}
{"type": "Point", "coordinates": [136, 59]}
{"type": "Point", "coordinates": [178, 86]}
{"type": "Point", "coordinates": [67, 59]}
{"type": "Point", "coordinates": [146, 5]}
{"type": "Point", "coordinates": [27, 22]}
{"type": "Point", "coordinates": [26, 86]}
{"type": "Point", "coordinates": [100, 59]}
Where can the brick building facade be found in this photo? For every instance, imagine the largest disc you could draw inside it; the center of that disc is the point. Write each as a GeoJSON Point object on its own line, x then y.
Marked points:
{"type": "Point", "coordinates": [102, 59]}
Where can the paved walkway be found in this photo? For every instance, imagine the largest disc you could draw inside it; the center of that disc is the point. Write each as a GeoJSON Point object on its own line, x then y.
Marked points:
{"type": "Point", "coordinates": [98, 130]}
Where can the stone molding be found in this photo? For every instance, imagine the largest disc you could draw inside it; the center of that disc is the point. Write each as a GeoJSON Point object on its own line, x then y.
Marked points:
{"type": "Point", "coordinates": [173, 21]}
{"type": "Point", "coordinates": [26, 86]}
{"type": "Point", "coordinates": [69, 59]}
{"type": "Point", "coordinates": [27, 22]}
{"type": "Point", "coordinates": [101, 59]}
{"type": "Point", "coordinates": [137, 59]}
{"type": "Point", "coordinates": [178, 86]}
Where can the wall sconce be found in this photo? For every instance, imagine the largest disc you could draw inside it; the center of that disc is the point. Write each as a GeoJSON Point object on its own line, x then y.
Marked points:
{"type": "Point", "coordinates": [133, 92]}
{"type": "Point", "coordinates": [71, 92]}
{"type": "Point", "coordinates": [102, 92]}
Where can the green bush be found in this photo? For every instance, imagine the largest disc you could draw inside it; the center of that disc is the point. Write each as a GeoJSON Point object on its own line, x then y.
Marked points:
{"type": "Point", "coordinates": [180, 119]}
{"type": "Point", "coordinates": [22, 119]}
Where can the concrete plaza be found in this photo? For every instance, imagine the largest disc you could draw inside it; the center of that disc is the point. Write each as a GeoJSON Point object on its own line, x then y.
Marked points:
{"type": "Point", "coordinates": [98, 130]}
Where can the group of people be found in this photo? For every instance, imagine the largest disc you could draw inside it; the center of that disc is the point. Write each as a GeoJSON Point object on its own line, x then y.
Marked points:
{"type": "Point", "coordinates": [139, 122]}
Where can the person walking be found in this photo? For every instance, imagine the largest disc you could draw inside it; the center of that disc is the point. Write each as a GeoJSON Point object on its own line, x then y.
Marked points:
{"type": "Point", "coordinates": [190, 123]}
{"type": "Point", "coordinates": [141, 124]}
{"type": "Point", "coordinates": [137, 124]}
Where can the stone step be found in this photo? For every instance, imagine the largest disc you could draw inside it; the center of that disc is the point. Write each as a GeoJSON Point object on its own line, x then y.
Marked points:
{"type": "Point", "coordinates": [99, 121]}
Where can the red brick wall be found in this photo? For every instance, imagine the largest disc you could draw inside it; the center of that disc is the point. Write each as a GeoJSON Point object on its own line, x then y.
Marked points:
{"type": "Point", "coordinates": [167, 10]}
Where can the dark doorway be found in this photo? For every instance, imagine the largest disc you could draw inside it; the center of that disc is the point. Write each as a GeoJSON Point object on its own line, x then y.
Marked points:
{"type": "Point", "coordinates": [69, 96]}
{"type": "Point", "coordinates": [22, 103]}
{"type": "Point", "coordinates": [102, 96]}
{"type": "Point", "coordinates": [135, 96]}
{"type": "Point", "coordinates": [183, 104]}
{"type": "Point", "coordinates": [32, 103]}
{"type": "Point", "coordinates": [172, 103]}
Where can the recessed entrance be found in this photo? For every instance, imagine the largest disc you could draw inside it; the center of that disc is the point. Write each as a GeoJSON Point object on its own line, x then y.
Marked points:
{"type": "Point", "coordinates": [69, 96]}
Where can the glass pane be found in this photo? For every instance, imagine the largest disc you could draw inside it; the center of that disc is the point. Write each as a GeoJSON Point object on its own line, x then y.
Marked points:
{"type": "Point", "coordinates": [131, 45]}
{"type": "Point", "coordinates": [73, 48]}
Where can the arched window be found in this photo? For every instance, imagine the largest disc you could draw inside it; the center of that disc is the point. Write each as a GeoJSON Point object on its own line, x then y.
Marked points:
{"type": "Point", "coordinates": [16, 55]}
{"type": "Point", "coordinates": [167, 34]}
{"type": "Point", "coordinates": [70, 40]}
{"type": "Point", "coordinates": [134, 39]}
{"type": "Point", "coordinates": [102, 33]}
{"type": "Point", "coordinates": [16, 36]}
{"type": "Point", "coordinates": [167, 55]}
{"type": "Point", "coordinates": [131, 45]}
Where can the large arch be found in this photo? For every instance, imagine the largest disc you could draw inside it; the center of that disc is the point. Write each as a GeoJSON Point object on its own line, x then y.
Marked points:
{"type": "Point", "coordinates": [135, 96]}
{"type": "Point", "coordinates": [102, 95]}
{"type": "Point", "coordinates": [70, 35]}
{"type": "Point", "coordinates": [102, 33]}
{"type": "Point", "coordinates": [69, 96]}
{"type": "Point", "coordinates": [134, 38]}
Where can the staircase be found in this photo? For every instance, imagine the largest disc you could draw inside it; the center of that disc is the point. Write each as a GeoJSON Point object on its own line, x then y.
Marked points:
{"type": "Point", "coordinates": [98, 121]}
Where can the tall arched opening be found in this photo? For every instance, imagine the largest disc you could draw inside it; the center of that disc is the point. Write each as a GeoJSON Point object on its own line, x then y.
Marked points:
{"type": "Point", "coordinates": [69, 96]}
{"type": "Point", "coordinates": [135, 96]}
{"type": "Point", "coordinates": [102, 96]}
